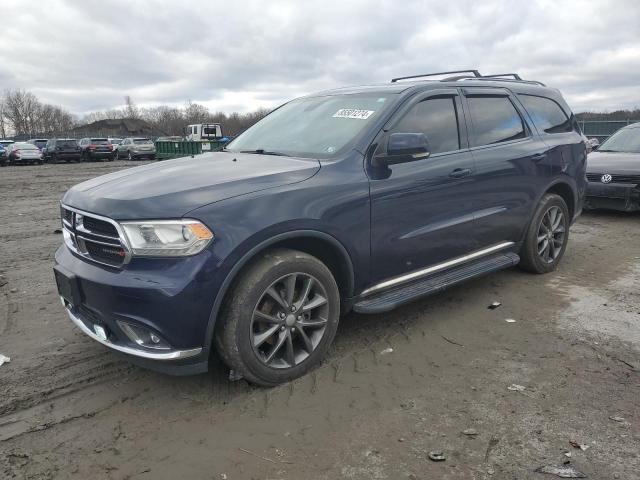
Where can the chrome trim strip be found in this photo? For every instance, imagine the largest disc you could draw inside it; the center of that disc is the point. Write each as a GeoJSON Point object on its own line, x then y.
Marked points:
{"type": "Point", "coordinates": [172, 355]}
{"type": "Point", "coordinates": [435, 268]}
{"type": "Point", "coordinates": [122, 237]}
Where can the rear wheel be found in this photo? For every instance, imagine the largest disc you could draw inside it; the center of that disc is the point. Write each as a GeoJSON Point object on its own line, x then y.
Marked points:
{"type": "Point", "coordinates": [547, 237]}
{"type": "Point", "coordinates": [279, 319]}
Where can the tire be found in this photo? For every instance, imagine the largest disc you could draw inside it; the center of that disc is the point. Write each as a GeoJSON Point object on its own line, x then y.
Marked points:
{"type": "Point", "coordinates": [152, 157]}
{"type": "Point", "coordinates": [241, 335]}
{"type": "Point", "coordinates": [556, 239]}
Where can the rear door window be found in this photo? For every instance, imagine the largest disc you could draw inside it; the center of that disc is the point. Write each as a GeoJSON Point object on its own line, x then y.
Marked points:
{"type": "Point", "coordinates": [494, 119]}
{"type": "Point", "coordinates": [546, 114]}
{"type": "Point", "coordinates": [437, 119]}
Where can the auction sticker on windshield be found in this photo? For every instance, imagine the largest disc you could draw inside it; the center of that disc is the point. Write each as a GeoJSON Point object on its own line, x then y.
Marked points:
{"type": "Point", "coordinates": [353, 113]}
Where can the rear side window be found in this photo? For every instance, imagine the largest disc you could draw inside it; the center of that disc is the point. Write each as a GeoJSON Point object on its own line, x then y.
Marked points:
{"type": "Point", "coordinates": [437, 119]}
{"type": "Point", "coordinates": [495, 120]}
{"type": "Point", "coordinates": [546, 114]}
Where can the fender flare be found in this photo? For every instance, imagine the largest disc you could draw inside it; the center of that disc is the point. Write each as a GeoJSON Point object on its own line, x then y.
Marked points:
{"type": "Point", "coordinates": [250, 254]}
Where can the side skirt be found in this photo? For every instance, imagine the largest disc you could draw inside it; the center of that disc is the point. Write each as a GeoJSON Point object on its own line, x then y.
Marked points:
{"type": "Point", "coordinates": [391, 298]}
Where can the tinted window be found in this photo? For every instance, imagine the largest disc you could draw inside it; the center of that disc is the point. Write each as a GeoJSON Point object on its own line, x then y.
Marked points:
{"type": "Point", "coordinates": [99, 141]}
{"type": "Point", "coordinates": [546, 114]}
{"type": "Point", "coordinates": [141, 141]}
{"type": "Point", "coordinates": [209, 131]}
{"type": "Point", "coordinates": [495, 120]}
{"type": "Point", "coordinates": [65, 143]}
{"type": "Point", "coordinates": [437, 119]}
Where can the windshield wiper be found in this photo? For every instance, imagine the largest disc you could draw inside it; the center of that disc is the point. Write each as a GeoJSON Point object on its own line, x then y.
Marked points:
{"type": "Point", "coordinates": [262, 151]}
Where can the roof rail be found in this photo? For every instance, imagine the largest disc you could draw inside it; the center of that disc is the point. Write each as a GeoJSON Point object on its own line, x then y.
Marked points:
{"type": "Point", "coordinates": [475, 73]}
{"type": "Point", "coordinates": [489, 78]}
{"type": "Point", "coordinates": [498, 75]}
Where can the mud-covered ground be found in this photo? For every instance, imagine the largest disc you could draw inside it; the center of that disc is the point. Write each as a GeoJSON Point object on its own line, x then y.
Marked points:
{"type": "Point", "coordinates": [70, 408]}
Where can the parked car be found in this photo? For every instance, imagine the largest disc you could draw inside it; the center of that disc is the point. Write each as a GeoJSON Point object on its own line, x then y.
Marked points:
{"type": "Point", "coordinates": [62, 149]}
{"type": "Point", "coordinates": [5, 143]}
{"type": "Point", "coordinates": [134, 148]}
{"type": "Point", "coordinates": [613, 172]}
{"type": "Point", "coordinates": [23, 152]}
{"type": "Point", "coordinates": [96, 149]}
{"type": "Point", "coordinates": [361, 198]}
{"type": "Point", "coordinates": [3, 156]}
{"type": "Point", "coordinates": [38, 142]}
{"type": "Point", "coordinates": [114, 145]}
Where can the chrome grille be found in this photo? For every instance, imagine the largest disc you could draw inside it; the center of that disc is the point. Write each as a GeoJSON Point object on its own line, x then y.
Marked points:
{"type": "Point", "coordinates": [615, 178]}
{"type": "Point", "coordinates": [94, 237]}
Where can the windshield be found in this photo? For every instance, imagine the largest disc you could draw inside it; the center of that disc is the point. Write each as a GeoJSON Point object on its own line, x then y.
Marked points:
{"type": "Point", "coordinates": [626, 140]}
{"type": "Point", "coordinates": [141, 141]}
{"type": "Point", "coordinates": [313, 127]}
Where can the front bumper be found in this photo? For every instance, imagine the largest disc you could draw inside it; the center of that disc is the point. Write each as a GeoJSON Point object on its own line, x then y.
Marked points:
{"type": "Point", "coordinates": [613, 196]}
{"type": "Point", "coordinates": [85, 325]}
{"type": "Point", "coordinates": [171, 298]}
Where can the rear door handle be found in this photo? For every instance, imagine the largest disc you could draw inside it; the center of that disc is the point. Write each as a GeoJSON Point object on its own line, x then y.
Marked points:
{"type": "Point", "coordinates": [538, 156]}
{"type": "Point", "coordinates": [460, 172]}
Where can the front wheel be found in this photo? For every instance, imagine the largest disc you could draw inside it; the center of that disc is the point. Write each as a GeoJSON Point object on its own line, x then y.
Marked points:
{"type": "Point", "coordinates": [279, 319]}
{"type": "Point", "coordinates": [547, 237]}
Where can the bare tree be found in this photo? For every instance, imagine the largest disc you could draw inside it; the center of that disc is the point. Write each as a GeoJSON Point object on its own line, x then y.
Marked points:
{"type": "Point", "coordinates": [130, 108]}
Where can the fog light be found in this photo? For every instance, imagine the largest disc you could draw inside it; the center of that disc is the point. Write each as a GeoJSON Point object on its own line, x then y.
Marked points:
{"type": "Point", "coordinates": [143, 336]}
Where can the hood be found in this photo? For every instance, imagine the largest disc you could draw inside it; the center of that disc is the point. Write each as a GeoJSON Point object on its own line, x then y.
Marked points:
{"type": "Point", "coordinates": [171, 188]}
{"type": "Point", "coordinates": [613, 162]}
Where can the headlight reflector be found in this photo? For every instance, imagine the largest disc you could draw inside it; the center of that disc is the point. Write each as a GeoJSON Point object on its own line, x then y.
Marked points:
{"type": "Point", "coordinates": [167, 238]}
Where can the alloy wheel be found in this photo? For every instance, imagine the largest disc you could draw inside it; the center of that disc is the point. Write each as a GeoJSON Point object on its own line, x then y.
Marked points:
{"type": "Point", "coordinates": [289, 320]}
{"type": "Point", "coordinates": [551, 234]}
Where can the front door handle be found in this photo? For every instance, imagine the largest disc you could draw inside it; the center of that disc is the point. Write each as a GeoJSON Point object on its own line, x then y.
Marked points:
{"type": "Point", "coordinates": [460, 172]}
{"type": "Point", "coordinates": [538, 156]}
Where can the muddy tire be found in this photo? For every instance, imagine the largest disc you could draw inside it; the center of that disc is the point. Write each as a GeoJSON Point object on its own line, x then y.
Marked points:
{"type": "Point", "coordinates": [547, 236]}
{"type": "Point", "coordinates": [279, 318]}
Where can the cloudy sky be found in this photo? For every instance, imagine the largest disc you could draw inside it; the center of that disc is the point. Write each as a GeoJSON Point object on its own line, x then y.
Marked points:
{"type": "Point", "coordinates": [239, 55]}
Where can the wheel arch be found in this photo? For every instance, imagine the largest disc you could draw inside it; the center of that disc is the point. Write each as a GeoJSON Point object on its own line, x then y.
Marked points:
{"type": "Point", "coordinates": [321, 245]}
{"type": "Point", "coordinates": [564, 190]}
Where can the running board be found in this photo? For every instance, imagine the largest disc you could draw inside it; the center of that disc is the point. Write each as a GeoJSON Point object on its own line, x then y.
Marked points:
{"type": "Point", "coordinates": [392, 298]}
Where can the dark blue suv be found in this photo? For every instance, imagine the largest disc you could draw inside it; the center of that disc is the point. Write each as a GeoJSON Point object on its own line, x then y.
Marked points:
{"type": "Point", "coordinates": [361, 198]}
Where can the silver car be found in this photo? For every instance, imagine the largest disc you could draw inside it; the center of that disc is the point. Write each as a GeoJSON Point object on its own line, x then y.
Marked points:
{"type": "Point", "coordinates": [23, 152]}
{"type": "Point", "coordinates": [133, 148]}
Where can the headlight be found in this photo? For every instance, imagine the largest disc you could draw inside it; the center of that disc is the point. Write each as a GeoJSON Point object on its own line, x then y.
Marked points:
{"type": "Point", "coordinates": [167, 238]}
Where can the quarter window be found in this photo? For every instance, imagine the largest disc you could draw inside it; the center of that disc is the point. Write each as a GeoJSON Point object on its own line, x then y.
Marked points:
{"type": "Point", "coordinates": [437, 119]}
{"type": "Point", "coordinates": [495, 120]}
{"type": "Point", "coordinates": [546, 114]}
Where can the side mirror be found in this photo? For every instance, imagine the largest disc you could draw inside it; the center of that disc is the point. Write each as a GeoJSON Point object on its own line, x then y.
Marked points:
{"type": "Point", "coordinates": [404, 147]}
